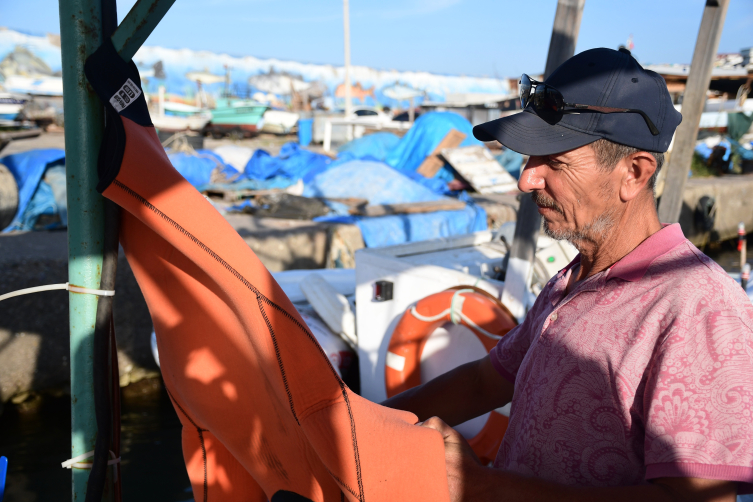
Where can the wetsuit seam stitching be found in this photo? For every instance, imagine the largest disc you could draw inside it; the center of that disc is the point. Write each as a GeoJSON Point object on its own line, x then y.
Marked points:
{"type": "Point", "coordinates": [183, 411]}
{"type": "Point", "coordinates": [204, 455]}
{"type": "Point", "coordinates": [342, 483]}
{"type": "Point", "coordinates": [199, 430]}
{"type": "Point", "coordinates": [279, 358]}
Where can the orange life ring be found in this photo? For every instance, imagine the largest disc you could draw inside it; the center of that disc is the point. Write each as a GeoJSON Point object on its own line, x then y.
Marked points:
{"type": "Point", "coordinates": [473, 307]}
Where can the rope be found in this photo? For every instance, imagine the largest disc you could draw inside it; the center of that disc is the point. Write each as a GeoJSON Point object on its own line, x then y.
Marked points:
{"type": "Point", "coordinates": [456, 314]}
{"type": "Point", "coordinates": [54, 287]}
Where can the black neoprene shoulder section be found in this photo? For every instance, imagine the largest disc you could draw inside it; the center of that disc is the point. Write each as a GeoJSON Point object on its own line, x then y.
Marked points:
{"type": "Point", "coordinates": [117, 83]}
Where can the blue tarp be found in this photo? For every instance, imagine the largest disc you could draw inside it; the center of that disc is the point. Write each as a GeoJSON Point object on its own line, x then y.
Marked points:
{"type": "Point", "coordinates": [197, 169]}
{"type": "Point", "coordinates": [381, 184]}
{"type": "Point", "coordinates": [401, 228]}
{"type": "Point", "coordinates": [362, 179]}
{"type": "Point", "coordinates": [246, 184]}
{"type": "Point", "coordinates": [425, 135]}
{"type": "Point", "coordinates": [293, 162]}
{"type": "Point", "coordinates": [374, 146]}
{"type": "Point", "coordinates": [28, 168]}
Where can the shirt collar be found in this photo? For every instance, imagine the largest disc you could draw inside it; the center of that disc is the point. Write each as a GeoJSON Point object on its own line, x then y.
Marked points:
{"type": "Point", "coordinates": [632, 267]}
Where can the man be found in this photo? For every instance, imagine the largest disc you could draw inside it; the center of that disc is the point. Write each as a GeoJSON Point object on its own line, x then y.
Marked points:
{"type": "Point", "coordinates": [631, 378]}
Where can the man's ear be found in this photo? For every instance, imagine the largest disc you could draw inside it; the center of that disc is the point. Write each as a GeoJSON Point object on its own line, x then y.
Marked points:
{"type": "Point", "coordinates": [638, 169]}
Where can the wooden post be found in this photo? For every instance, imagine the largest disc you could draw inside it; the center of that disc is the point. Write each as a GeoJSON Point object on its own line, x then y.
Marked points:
{"type": "Point", "coordinates": [693, 102]}
{"type": "Point", "coordinates": [520, 265]}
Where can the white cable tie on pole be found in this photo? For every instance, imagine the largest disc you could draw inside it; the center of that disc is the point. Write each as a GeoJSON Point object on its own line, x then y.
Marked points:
{"type": "Point", "coordinates": [54, 287]}
{"type": "Point", "coordinates": [74, 462]}
{"type": "Point", "coordinates": [456, 315]}
{"type": "Point", "coordinates": [88, 291]}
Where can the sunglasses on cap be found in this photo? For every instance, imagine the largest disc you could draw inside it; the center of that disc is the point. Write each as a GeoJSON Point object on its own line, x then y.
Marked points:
{"type": "Point", "coordinates": [545, 98]}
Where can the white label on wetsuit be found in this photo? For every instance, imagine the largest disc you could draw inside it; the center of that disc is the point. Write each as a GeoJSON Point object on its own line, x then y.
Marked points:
{"type": "Point", "coordinates": [126, 95]}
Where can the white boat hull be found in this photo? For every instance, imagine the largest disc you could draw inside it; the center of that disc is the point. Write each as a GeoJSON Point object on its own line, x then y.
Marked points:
{"type": "Point", "coordinates": [173, 123]}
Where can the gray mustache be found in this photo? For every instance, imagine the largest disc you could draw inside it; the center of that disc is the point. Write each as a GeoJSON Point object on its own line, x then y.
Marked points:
{"type": "Point", "coordinates": [542, 200]}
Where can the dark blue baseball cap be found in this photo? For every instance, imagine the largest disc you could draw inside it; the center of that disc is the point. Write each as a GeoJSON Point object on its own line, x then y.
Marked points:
{"type": "Point", "coordinates": [598, 77]}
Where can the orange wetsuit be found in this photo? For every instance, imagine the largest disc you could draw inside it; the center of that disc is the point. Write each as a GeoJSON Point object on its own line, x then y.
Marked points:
{"type": "Point", "coordinates": [264, 413]}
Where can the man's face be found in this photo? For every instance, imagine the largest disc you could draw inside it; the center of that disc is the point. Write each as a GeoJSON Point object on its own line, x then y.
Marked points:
{"type": "Point", "coordinates": [578, 200]}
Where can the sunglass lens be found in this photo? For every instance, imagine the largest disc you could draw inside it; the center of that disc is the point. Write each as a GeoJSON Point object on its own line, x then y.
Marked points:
{"type": "Point", "coordinates": [524, 90]}
{"type": "Point", "coordinates": [548, 98]}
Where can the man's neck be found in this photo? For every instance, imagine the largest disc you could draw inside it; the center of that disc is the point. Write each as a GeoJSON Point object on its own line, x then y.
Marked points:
{"type": "Point", "coordinates": [634, 226]}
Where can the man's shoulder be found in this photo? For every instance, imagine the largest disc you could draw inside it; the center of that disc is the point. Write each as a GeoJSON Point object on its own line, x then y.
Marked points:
{"type": "Point", "coordinates": [686, 263]}
{"type": "Point", "coordinates": [687, 272]}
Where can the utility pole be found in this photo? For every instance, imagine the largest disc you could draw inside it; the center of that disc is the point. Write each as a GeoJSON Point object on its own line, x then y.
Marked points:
{"type": "Point", "coordinates": [693, 102]}
{"type": "Point", "coordinates": [346, 33]}
{"type": "Point", "coordinates": [523, 251]}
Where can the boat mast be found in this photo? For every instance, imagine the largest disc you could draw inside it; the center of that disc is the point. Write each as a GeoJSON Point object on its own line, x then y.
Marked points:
{"type": "Point", "coordinates": [346, 33]}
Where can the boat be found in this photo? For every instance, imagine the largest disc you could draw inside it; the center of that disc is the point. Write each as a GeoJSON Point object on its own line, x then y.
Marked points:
{"type": "Point", "coordinates": [279, 121]}
{"type": "Point", "coordinates": [11, 106]}
{"type": "Point", "coordinates": [173, 116]}
{"type": "Point", "coordinates": [238, 116]}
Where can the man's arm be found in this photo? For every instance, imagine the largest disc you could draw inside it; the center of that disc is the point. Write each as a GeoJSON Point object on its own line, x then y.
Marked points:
{"type": "Point", "coordinates": [468, 480]}
{"type": "Point", "coordinates": [464, 393]}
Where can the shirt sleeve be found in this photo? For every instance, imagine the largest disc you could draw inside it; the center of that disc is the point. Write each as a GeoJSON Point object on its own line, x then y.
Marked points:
{"type": "Point", "coordinates": [698, 401]}
{"type": "Point", "coordinates": [509, 352]}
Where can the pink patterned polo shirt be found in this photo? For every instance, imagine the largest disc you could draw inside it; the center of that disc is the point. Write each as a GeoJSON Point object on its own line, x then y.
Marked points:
{"type": "Point", "coordinates": [644, 370]}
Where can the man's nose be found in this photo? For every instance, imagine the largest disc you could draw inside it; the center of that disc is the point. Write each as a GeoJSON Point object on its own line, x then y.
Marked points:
{"type": "Point", "coordinates": [531, 178]}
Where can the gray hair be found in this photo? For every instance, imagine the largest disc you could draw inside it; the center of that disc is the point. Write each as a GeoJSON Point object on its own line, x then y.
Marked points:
{"type": "Point", "coordinates": [609, 153]}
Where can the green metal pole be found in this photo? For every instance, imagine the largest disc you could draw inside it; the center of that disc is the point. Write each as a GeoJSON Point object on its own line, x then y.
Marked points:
{"type": "Point", "coordinates": [138, 24]}
{"type": "Point", "coordinates": [81, 33]}
{"type": "Point", "coordinates": [80, 36]}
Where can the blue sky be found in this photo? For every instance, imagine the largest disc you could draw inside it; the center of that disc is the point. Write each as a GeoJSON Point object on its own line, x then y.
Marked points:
{"type": "Point", "coordinates": [473, 37]}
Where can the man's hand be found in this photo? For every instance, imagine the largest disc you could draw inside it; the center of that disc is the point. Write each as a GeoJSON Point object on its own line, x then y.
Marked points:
{"type": "Point", "coordinates": [463, 466]}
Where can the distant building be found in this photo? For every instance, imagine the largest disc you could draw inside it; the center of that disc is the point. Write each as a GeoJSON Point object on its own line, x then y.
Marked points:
{"type": "Point", "coordinates": [732, 75]}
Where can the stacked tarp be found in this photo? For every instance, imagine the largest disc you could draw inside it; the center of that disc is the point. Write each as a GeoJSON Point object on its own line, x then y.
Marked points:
{"type": "Point", "coordinates": [208, 170]}
{"type": "Point", "coordinates": [381, 184]}
{"type": "Point", "coordinates": [35, 195]}
{"type": "Point", "coordinates": [359, 173]}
